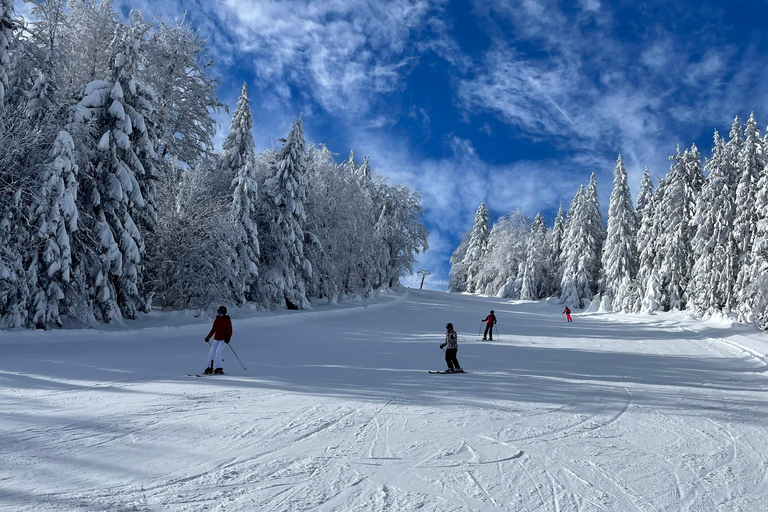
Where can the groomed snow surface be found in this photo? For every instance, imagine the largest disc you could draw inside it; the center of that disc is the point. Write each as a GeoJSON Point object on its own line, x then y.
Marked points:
{"type": "Point", "coordinates": [336, 411]}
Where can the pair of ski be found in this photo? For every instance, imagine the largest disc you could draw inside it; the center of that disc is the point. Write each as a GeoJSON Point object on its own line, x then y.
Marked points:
{"type": "Point", "coordinates": [443, 371]}
{"type": "Point", "coordinates": [204, 374]}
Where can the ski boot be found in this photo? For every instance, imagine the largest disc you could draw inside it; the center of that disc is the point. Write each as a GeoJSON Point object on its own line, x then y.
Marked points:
{"type": "Point", "coordinates": [218, 371]}
{"type": "Point", "coordinates": [208, 370]}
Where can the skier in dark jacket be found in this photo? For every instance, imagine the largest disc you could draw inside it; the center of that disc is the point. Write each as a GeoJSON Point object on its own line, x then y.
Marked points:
{"type": "Point", "coordinates": [222, 333]}
{"type": "Point", "coordinates": [451, 346]}
{"type": "Point", "coordinates": [567, 313]}
{"type": "Point", "coordinates": [490, 321]}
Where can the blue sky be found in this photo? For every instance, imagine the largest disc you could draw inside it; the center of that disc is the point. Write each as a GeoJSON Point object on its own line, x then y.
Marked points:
{"type": "Point", "coordinates": [509, 103]}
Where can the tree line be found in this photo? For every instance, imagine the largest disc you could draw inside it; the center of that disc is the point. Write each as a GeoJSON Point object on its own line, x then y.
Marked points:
{"type": "Point", "coordinates": [113, 199]}
{"type": "Point", "coordinates": [690, 242]}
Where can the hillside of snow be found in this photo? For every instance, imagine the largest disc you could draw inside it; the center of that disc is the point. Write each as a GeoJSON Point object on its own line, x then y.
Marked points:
{"type": "Point", "coordinates": [336, 412]}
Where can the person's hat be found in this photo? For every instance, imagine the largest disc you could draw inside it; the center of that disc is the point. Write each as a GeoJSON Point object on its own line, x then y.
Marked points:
{"type": "Point", "coordinates": [222, 310]}
{"type": "Point", "coordinates": [449, 325]}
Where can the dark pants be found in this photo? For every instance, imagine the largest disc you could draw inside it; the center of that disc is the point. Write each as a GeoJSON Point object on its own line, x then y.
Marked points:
{"type": "Point", "coordinates": [450, 358]}
{"type": "Point", "coordinates": [488, 328]}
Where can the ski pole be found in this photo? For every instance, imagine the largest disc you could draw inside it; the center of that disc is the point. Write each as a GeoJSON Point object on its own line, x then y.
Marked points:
{"type": "Point", "coordinates": [233, 351]}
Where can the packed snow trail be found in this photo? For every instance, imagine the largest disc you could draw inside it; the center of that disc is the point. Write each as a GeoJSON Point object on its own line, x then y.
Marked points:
{"type": "Point", "coordinates": [337, 412]}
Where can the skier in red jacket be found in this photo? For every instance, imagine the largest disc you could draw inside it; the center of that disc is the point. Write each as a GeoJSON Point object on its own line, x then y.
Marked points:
{"type": "Point", "coordinates": [490, 321]}
{"type": "Point", "coordinates": [222, 333]}
{"type": "Point", "coordinates": [567, 313]}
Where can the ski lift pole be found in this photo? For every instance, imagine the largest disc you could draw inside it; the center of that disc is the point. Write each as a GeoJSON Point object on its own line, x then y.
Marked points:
{"type": "Point", "coordinates": [233, 351]}
{"type": "Point", "coordinates": [424, 273]}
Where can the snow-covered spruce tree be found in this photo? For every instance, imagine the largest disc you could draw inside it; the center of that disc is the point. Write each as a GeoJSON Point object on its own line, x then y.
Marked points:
{"type": "Point", "coordinates": [645, 196]}
{"type": "Point", "coordinates": [578, 260]}
{"type": "Point", "coordinates": [556, 251]}
{"type": "Point", "coordinates": [349, 164]}
{"type": "Point", "coordinates": [285, 269]}
{"type": "Point", "coordinates": [458, 274]}
{"type": "Point", "coordinates": [712, 278]}
{"type": "Point", "coordinates": [6, 36]}
{"type": "Point", "coordinates": [536, 273]}
{"type": "Point", "coordinates": [237, 160]}
{"type": "Point", "coordinates": [619, 266]}
{"type": "Point", "coordinates": [54, 217]}
{"type": "Point", "coordinates": [751, 164]}
{"type": "Point", "coordinates": [123, 173]}
{"type": "Point", "coordinates": [754, 297]}
{"type": "Point", "coordinates": [675, 212]}
{"type": "Point", "coordinates": [478, 241]}
{"type": "Point", "coordinates": [25, 152]}
{"type": "Point", "coordinates": [647, 242]}
{"type": "Point", "coordinates": [503, 264]}
{"type": "Point", "coordinates": [595, 231]}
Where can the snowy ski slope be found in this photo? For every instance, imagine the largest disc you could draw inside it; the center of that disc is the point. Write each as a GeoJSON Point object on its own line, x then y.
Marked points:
{"type": "Point", "coordinates": [336, 412]}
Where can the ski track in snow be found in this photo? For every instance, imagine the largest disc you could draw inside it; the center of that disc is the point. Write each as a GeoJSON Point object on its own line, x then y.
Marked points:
{"type": "Point", "coordinates": [336, 412]}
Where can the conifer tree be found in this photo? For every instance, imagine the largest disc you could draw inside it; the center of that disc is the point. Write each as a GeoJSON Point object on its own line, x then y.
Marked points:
{"type": "Point", "coordinates": [6, 35]}
{"type": "Point", "coordinates": [578, 262]}
{"type": "Point", "coordinates": [237, 160]}
{"type": "Point", "coordinates": [478, 242]}
{"type": "Point", "coordinates": [647, 243]}
{"type": "Point", "coordinates": [751, 164]}
{"type": "Point", "coordinates": [54, 218]}
{"type": "Point", "coordinates": [755, 296]}
{"type": "Point", "coordinates": [712, 276]}
{"type": "Point", "coordinates": [645, 196]}
{"type": "Point", "coordinates": [595, 232]}
{"type": "Point", "coordinates": [123, 162]}
{"type": "Point", "coordinates": [536, 271]}
{"type": "Point", "coordinates": [286, 269]}
{"type": "Point", "coordinates": [556, 251]}
{"type": "Point", "coordinates": [619, 259]}
{"type": "Point", "coordinates": [674, 213]}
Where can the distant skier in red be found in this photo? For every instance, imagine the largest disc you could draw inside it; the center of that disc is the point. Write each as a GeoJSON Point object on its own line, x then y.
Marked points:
{"type": "Point", "coordinates": [221, 332]}
{"type": "Point", "coordinates": [567, 313]}
{"type": "Point", "coordinates": [490, 321]}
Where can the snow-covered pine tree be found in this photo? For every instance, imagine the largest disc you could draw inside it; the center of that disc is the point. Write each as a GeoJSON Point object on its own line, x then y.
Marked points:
{"type": "Point", "coordinates": [675, 212]}
{"type": "Point", "coordinates": [537, 270]}
{"type": "Point", "coordinates": [754, 297]}
{"type": "Point", "coordinates": [123, 173]}
{"type": "Point", "coordinates": [237, 160]}
{"type": "Point", "coordinates": [751, 164]}
{"type": "Point", "coordinates": [6, 36]}
{"type": "Point", "coordinates": [54, 218]}
{"type": "Point", "coordinates": [556, 252]}
{"type": "Point", "coordinates": [712, 275]}
{"type": "Point", "coordinates": [619, 266]}
{"type": "Point", "coordinates": [478, 241]}
{"type": "Point", "coordinates": [595, 232]}
{"type": "Point", "coordinates": [285, 268]}
{"type": "Point", "coordinates": [578, 261]}
{"type": "Point", "coordinates": [349, 164]}
{"type": "Point", "coordinates": [647, 243]}
{"type": "Point", "coordinates": [645, 196]}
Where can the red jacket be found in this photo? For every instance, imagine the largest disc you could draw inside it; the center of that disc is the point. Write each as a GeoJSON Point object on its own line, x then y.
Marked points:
{"type": "Point", "coordinates": [222, 328]}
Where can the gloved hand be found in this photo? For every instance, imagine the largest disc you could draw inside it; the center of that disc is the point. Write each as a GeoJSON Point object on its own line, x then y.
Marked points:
{"type": "Point", "coordinates": [442, 345]}
{"type": "Point", "coordinates": [206, 339]}
{"type": "Point", "coordinates": [226, 340]}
